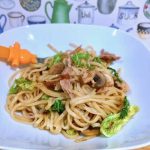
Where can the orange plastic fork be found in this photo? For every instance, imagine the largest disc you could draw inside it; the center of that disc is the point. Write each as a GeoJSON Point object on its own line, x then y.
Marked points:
{"type": "Point", "coordinates": [16, 56]}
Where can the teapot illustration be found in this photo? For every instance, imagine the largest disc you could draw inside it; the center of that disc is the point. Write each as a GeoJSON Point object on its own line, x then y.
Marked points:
{"type": "Point", "coordinates": [2, 22]}
{"type": "Point", "coordinates": [60, 12]}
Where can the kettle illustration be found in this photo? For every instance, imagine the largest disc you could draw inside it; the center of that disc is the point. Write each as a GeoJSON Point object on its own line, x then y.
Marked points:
{"type": "Point", "coordinates": [106, 6]}
{"type": "Point", "coordinates": [2, 22]}
{"type": "Point", "coordinates": [60, 12]}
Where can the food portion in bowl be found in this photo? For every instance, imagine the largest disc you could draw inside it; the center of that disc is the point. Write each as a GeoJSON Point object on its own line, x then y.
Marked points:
{"type": "Point", "coordinates": [76, 93]}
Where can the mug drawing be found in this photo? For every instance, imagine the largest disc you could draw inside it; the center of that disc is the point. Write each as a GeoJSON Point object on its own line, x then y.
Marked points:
{"type": "Point", "coordinates": [16, 19]}
{"type": "Point", "coordinates": [3, 21]}
{"type": "Point", "coordinates": [36, 19]}
{"type": "Point", "coordinates": [143, 30]}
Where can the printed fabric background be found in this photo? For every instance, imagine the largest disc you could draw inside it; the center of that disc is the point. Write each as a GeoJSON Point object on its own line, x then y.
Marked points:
{"type": "Point", "coordinates": [132, 16]}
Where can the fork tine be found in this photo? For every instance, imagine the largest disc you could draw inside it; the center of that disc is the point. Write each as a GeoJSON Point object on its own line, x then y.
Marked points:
{"type": "Point", "coordinates": [41, 60]}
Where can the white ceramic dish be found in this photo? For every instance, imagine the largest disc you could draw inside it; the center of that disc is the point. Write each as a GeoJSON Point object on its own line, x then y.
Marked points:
{"type": "Point", "coordinates": [136, 71]}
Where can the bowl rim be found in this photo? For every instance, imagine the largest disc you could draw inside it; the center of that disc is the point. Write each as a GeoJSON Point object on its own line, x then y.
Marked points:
{"type": "Point", "coordinates": [89, 26]}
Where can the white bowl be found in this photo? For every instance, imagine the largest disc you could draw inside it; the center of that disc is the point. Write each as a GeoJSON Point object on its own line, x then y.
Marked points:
{"type": "Point", "coordinates": [136, 71]}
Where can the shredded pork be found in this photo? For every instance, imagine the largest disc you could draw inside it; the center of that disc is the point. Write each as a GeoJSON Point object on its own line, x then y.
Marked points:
{"type": "Point", "coordinates": [108, 57]}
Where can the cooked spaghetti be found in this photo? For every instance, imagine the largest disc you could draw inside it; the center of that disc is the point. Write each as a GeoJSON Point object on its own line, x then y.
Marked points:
{"type": "Point", "coordinates": [70, 93]}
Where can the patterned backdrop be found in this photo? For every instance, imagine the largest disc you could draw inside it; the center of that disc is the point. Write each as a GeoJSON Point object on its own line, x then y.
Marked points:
{"type": "Point", "coordinates": [132, 16]}
{"type": "Point", "coordinates": [127, 15]}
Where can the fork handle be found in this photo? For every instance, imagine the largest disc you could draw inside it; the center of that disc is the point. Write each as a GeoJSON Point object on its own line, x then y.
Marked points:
{"type": "Point", "coordinates": [4, 52]}
{"type": "Point", "coordinates": [17, 56]}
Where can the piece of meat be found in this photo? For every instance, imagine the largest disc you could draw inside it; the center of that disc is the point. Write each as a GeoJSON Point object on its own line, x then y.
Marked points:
{"type": "Point", "coordinates": [51, 84]}
{"type": "Point", "coordinates": [88, 76]}
{"type": "Point", "coordinates": [56, 69]}
{"type": "Point", "coordinates": [109, 80]}
{"type": "Point", "coordinates": [57, 87]}
{"type": "Point", "coordinates": [78, 49]}
{"type": "Point", "coordinates": [92, 53]}
{"type": "Point", "coordinates": [65, 76]}
{"type": "Point", "coordinates": [108, 57]}
{"type": "Point", "coordinates": [67, 61]}
{"type": "Point", "coordinates": [66, 87]}
{"type": "Point", "coordinates": [122, 85]}
{"type": "Point", "coordinates": [69, 71]}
